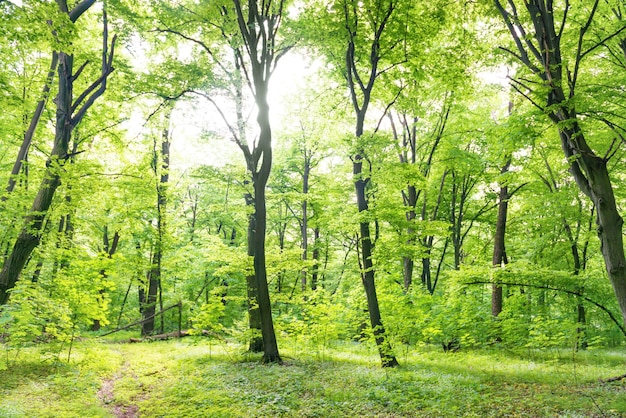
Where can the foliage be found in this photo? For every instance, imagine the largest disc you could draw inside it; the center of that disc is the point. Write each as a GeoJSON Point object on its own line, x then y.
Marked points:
{"type": "Point", "coordinates": [442, 80]}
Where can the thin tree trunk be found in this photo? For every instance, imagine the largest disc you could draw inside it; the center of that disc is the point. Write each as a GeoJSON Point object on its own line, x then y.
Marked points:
{"type": "Point", "coordinates": [358, 86]}
{"type": "Point", "coordinates": [316, 258]}
{"type": "Point", "coordinates": [499, 250]}
{"type": "Point", "coordinates": [305, 217]}
{"type": "Point", "coordinates": [367, 275]}
{"type": "Point", "coordinates": [22, 155]}
{"type": "Point", "coordinates": [109, 248]}
{"type": "Point", "coordinates": [260, 47]}
{"type": "Point", "coordinates": [154, 273]}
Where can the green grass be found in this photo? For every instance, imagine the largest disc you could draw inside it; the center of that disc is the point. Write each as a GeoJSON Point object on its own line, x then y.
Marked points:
{"type": "Point", "coordinates": [188, 378]}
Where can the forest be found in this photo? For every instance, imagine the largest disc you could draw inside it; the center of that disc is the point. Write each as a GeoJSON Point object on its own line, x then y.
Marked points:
{"type": "Point", "coordinates": [312, 208]}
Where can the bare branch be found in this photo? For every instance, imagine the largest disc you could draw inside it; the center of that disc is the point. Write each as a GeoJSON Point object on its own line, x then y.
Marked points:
{"type": "Point", "coordinates": [602, 42]}
{"type": "Point", "coordinates": [581, 35]}
{"type": "Point", "coordinates": [79, 9]}
{"type": "Point", "coordinates": [537, 105]}
{"type": "Point", "coordinates": [97, 93]}
{"type": "Point", "coordinates": [80, 70]}
{"type": "Point", "coordinates": [386, 111]}
{"type": "Point", "coordinates": [199, 43]}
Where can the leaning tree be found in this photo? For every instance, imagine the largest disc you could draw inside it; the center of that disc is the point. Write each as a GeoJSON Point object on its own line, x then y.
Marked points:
{"type": "Point", "coordinates": [557, 47]}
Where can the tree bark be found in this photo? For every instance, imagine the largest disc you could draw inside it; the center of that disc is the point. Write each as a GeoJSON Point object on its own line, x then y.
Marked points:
{"type": "Point", "coordinates": [22, 155]}
{"type": "Point", "coordinates": [109, 248]}
{"type": "Point", "coordinates": [368, 274]}
{"type": "Point", "coordinates": [316, 258]}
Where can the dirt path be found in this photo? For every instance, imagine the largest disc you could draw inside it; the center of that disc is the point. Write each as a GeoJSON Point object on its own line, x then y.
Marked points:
{"type": "Point", "coordinates": [106, 395]}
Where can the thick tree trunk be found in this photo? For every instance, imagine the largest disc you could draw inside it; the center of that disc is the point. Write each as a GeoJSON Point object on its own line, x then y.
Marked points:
{"type": "Point", "coordinates": [69, 114]}
{"type": "Point", "coordinates": [596, 183]}
{"type": "Point", "coordinates": [270, 345]}
{"type": "Point", "coordinates": [254, 315]}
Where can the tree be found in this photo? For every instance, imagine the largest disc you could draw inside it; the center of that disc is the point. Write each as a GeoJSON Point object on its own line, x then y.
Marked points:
{"type": "Point", "coordinates": [70, 111]}
{"type": "Point", "coordinates": [361, 84]}
{"type": "Point", "coordinates": [258, 26]}
{"type": "Point", "coordinates": [160, 165]}
{"type": "Point", "coordinates": [556, 92]}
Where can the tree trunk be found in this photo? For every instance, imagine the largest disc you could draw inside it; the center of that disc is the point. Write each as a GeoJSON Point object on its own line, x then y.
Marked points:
{"type": "Point", "coordinates": [260, 48]}
{"type": "Point", "coordinates": [407, 261]}
{"type": "Point", "coordinates": [360, 94]}
{"type": "Point", "coordinates": [367, 275]}
{"type": "Point", "coordinates": [305, 218]}
{"type": "Point", "coordinates": [29, 237]}
{"type": "Point", "coordinates": [22, 155]}
{"type": "Point", "coordinates": [254, 315]}
{"type": "Point", "coordinates": [270, 345]}
{"type": "Point", "coordinates": [499, 250]}
{"type": "Point", "coordinates": [596, 183]}
{"type": "Point", "coordinates": [427, 242]}
{"type": "Point", "coordinates": [316, 258]}
{"type": "Point", "coordinates": [30, 132]}
{"type": "Point", "coordinates": [109, 249]}
{"type": "Point", "coordinates": [154, 274]}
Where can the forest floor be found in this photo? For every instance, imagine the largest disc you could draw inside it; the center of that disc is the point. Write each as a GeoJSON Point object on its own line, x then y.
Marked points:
{"type": "Point", "coordinates": [197, 378]}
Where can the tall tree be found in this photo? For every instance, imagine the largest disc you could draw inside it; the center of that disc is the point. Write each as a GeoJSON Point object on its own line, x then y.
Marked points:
{"type": "Point", "coordinates": [361, 84]}
{"type": "Point", "coordinates": [70, 111]}
{"type": "Point", "coordinates": [540, 51]}
{"type": "Point", "coordinates": [160, 165]}
{"type": "Point", "coordinates": [258, 24]}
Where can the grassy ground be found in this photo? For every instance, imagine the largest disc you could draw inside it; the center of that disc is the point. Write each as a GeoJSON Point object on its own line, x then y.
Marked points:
{"type": "Point", "coordinates": [188, 378]}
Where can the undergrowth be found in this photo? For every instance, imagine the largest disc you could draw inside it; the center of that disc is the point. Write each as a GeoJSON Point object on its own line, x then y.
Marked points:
{"type": "Point", "coordinates": [198, 378]}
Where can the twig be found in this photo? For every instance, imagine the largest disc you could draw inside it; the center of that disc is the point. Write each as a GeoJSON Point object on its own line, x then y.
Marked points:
{"type": "Point", "coordinates": [613, 379]}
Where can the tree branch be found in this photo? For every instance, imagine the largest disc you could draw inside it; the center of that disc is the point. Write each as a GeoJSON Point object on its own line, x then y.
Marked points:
{"type": "Point", "coordinates": [79, 9]}
{"type": "Point", "coordinates": [569, 292]}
